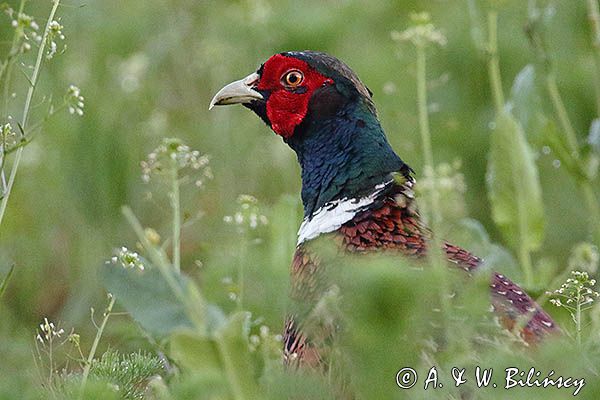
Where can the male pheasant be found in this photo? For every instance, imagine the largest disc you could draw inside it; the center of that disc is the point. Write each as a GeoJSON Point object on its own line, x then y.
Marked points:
{"type": "Point", "coordinates": [355, 189]}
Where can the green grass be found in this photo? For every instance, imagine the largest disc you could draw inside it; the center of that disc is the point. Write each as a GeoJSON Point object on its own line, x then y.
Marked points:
{"type": "Point", "coordinates": [214, 294]}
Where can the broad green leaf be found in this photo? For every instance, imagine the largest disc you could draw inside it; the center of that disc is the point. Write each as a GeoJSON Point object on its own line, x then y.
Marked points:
{"type": "Point", "coordinates": [237, 362]}
{"type": "Point", "coordinates": [221, 356]}
{"type": "Point", "coordinates": [514, 187]}
{"type": "Point", "coordinates": [525, 102]}
{"type": "Point", "coordinates": [148, 297]}
{"type": "Point", "coordinates": [196, 353]}
{"type": "Point", "coordinates": [198, 357]}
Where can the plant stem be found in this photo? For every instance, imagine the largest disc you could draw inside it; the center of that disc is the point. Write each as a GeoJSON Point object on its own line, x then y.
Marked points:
{"type": "Point", "coordinates": [584, 182]}
{"type": "Point", "coordinates": [571, 155]}
{"type": "Point", "coordinates": [157, 256]}
{"type": "Point", "coordinates": [422, 104]}
{"type": "Point", "coordinates": [494, 62]}
{"type": "Point", "coordinates": [498, 97]}
{"type": "Point", "coordinates": [242, 260]}
{"type": "Point", "coordinates": [578, 317]}
{"type": "Point", "coordinates": [435, 250]}
{"type": "Point", "coordinates": [88, 363]}
{"type": "Point", "coordinates": [193, 302]}
{"type": "Point", "coordinates": [561, 114]}
{"type": "Point", "coordinates": [426, 135]}
{"type": "Point", "coordinates": [26, 108]}
{"type": "Point", "coordinates": [176, 206]}
{"type": "Point", "coordinates": [50, 360]}
{"type": "Point", "coordinates": [593, 208]}
{"type": "Point", "coordinates": [524, 255]}
{"type": "Point", "coordinates": [594, 17]}
{"type": "Point", "coordinates": [8, 62]}
{"type": "Point", "coordinates": [592, 203]}
{"type": "Point", "coordinates": [476, 28]}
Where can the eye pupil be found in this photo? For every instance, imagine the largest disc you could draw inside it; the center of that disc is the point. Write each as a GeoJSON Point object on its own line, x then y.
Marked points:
{"type": "Point", "coordinates": [292, 78]}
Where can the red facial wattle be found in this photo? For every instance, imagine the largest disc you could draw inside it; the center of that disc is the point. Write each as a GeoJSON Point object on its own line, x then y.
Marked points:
{"type": "Point", "coordinates": [286, 107]}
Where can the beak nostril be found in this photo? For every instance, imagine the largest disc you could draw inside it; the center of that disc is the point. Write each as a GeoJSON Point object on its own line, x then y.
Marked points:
{"type": "Point", "coordinates": [250, 84]}
{"type": "Point", "coordinates": [251, 80]}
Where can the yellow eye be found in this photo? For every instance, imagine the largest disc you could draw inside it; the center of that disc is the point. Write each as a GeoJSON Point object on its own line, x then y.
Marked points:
{"type": "Point", "coordinates": [292, 78]}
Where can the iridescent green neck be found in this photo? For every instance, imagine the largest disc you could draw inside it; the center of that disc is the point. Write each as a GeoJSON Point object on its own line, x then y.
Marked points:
{"type": "Point", "coordinates": [344, 156]}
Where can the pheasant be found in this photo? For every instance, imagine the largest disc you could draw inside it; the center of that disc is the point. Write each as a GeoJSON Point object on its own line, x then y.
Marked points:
{"type": "Point", "coordinates": [356, 190]}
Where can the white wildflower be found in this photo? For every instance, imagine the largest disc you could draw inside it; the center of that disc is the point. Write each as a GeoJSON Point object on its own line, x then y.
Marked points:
{"type": "Point", "coordinates": [54, 34]}
{"type": "Point", "coordinates": [421, 33]}
{"type": "Point", "coordinates": [173, 152]}
{"type": "Point", "coordinates": [248, 216]}
{"type": "Point", "coordinates": [127, 259]}
{"type": "Point", "coordinates": [48, 331]}
{"type": "Point", "coordinates": [74, 100]}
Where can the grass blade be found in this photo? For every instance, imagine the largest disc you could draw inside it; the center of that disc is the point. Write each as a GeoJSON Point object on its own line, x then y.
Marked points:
{"type": "Point", "coordinates": [5, 280]}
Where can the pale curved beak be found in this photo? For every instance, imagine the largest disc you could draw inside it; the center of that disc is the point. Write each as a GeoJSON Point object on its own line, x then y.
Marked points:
{"type": "Point", "coordinates": [238, 92]}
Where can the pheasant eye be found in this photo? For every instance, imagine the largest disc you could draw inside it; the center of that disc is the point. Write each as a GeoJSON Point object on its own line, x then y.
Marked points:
{"type": "Point", "coordinates": [292, 78]}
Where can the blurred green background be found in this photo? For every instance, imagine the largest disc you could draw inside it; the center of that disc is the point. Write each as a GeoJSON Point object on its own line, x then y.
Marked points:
{"type": "Point", "coordinates": [148, 69]}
